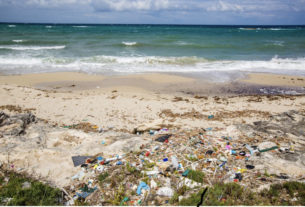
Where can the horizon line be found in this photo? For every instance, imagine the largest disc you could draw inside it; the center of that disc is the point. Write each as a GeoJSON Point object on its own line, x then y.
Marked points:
{"type": "Point", "coordinates": [44, 23]}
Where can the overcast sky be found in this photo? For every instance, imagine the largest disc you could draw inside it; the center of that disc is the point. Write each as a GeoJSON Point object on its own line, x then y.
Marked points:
{"type": "Point", "coordinates": [154, 11]}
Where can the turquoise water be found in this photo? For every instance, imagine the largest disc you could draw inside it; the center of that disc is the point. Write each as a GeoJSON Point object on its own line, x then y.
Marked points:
{"type": "Point", "coordinates": [26, 48]}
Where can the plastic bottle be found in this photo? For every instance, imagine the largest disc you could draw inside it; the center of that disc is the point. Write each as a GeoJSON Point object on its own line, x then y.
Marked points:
{"type": "Point", "coordinates": [175, 162]}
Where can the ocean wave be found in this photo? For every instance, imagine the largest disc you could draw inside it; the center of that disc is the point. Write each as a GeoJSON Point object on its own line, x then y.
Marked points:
{"type": "Point", "coordinates": [80, 26]}
{"type": "Point", "coordinates": [129, 43]}
{"type": "Point", "coordinates": [48, 26]}
{"type": "Point", "coordinates": [11, 25]}
{"type": "Point", "coordinates": [99, 64]}
{"type": "Point", "coordinates": [262, 28]}
{"type": "Point", "coordinates": [18, 41]}
{"type": "Point", "coordinates": [33, 47]}
{"type": "Point", "coordinates": [275, 43]}
{"type": "Point", "coordinates": [182, 43]}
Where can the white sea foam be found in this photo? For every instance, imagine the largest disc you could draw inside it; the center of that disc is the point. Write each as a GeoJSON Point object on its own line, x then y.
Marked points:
{"type": "Point", "coordinates": [16, 47]}
{"type": "Point", "coordinates": [18, 41]}
{"type": "Point", "coordinates": [48, 26]}
{"type": "Point", "coordinates": [80, 26]}
{"type": "Point", "coordinates": [129, 43]}
{"type": "Point", "coordinates": [99, 64]}
{"type": "Point", "coordinates": [11, 25]}
{"type": "Point", "coordinates": [272, 29]}
{"type": "Point", "coordinates": [182, 43]}
{"type": "Point", "coordinates": [276, 43]}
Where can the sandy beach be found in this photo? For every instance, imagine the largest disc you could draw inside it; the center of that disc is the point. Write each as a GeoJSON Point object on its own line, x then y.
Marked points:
{"type": "Point", "coordinates": [119, 105]}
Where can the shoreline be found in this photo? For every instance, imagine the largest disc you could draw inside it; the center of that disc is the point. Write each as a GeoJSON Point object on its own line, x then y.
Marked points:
{"type": "Point", "coordinates": [246, 84]}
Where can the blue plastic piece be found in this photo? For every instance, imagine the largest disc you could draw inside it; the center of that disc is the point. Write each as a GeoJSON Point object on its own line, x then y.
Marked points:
{"type": "Point", "coordinates": [142, 185]}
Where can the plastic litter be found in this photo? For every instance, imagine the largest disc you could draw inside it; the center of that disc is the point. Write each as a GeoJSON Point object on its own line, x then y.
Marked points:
{"type": "Point", "coordinates": [268, 149]}
{"type": "Point", "coordinates": [242, 153]}
{"type": "Point", "coordinates": [175, 162]}
{"type": "Point", "coordinates": [165, 191]}
{"type": "Point", "coordinates": [153, 184]}
{"type": "Point", "coordinates": [222, 164]}
{"type": "Point", "coordinates": [26, 185]}
{"type": "Point", "coordinates": [83, 194]}
{"type": "Point", "coordinates": [142, 185]}
{"type": "Point", "coordinates": [209, 152]}
{"type": "Point", "coordinates": [78, 160]}
{"type": "Point", "coordinates": [163, 138]}
{"type": "Point", "coordinates": [125, 199]}
{"type": "Point", "coordinates": [154, 172]}
{"type": "Point", "coordinates": [185, 173]}
{"type": "Point", "coordinates": [80, 175]}
{"type": "Point", "coordinates": [165, 159]}
{"type": "Point", "coordinates": [250, 149]}
{"type": "Point", "coordinates": [189, 183]}
{"type": "Point", "coordinates": [210, 116]}
{"type": "Point", "coordinates": [228, 147]}
{"type": "Point", "coordinates": [282, 176]}
{"type": "Point", "coordinates": [250, 167]}
{"type": "Point", "coordinates": [238, 176]}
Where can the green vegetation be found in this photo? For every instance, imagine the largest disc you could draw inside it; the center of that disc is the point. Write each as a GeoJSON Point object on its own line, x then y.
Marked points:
{"type": "Point", "coordinates": [176, 195]}
{"type": "Point", "coordinates": [289, 193]}
{"type": "Point", "coordinates": [118, 196]}
{"type": "Point", "coordinates": [103, 176]}
{"type": "Point", "coordinates": [191, 158]}
{"type": "Point", "coordinates": [196, 176]}
{"type": "Point", "coordinates": [148, 164]}
{"type": "Point", "coordinates": [174, 199]}
{"type": "Point", "coordinates": [282, 194]}
{"type": "Point", "coordinates": [20, 190]}
{"type": "Point", "coordinates": [130, 168]}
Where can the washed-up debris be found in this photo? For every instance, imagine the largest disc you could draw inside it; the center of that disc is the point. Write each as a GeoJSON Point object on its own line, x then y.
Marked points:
{"type": "Point", "coordinates": [163, 138]}
{"type": "Point", "coordinates": [84, 126]}
{"type": "Point", "coordinates": [79, 160]}
{"type": "Point", "coordinates": [141, 186]}
{"type": "Point", "coordinates": [15, 125]}
{"type": "Point", "coordinates": [165, 191]}
{"type": "Point", "coordinates": [178, 162]}
{"type": "Point", "coordinates": [268, 149]}
{"type": "Point", "coordinates": [250, 167]}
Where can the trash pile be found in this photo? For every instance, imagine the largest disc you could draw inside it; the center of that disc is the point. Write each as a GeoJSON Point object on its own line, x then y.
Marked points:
{"type": "Point", "coordinates": [174, 163]}
{"type": "Point", "coordinates": [178, 163]}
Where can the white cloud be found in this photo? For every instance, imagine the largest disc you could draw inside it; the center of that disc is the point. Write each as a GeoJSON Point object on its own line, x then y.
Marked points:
{"type": "Point", "coordinates": [224, 6]}
{"type": "Point", "coordinates": [129, 5]}
{"type": "Point", "coordinates": [44, 3]}
{"type": "Point", "coordinates": [159, 5]}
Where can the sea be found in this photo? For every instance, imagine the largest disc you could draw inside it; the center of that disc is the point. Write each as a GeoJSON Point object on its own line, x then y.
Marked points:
{"type": "Point", "coordinates": [125, 49]}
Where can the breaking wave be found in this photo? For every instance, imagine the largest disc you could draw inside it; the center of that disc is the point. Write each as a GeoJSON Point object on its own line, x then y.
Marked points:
{"type": "Point", "coordinates": [262, 28]}
{"type": "Point", "coordinates": [80, 26]}
{"type": "Point", "coordinates": [18, 41]}
{"type": "Point", "coordinates": [129, 43]}
{"type": "Point", "coordinates": [33, 47]}
{"type": "Point", "coordinates": [99, 64]}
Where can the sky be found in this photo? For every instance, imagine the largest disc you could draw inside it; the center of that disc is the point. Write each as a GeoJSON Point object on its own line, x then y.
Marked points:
{"type": "Point", "coordinates": [223, 12]}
